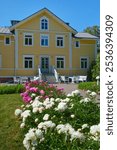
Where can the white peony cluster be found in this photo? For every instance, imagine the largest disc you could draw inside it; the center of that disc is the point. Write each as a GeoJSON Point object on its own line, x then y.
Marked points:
{"type": "Point", "coordinates": [46, 124]}
{"type": "Point", "coordinates": [93, 94]}
{"type": "Point", "coordinates": [95, 132]}
{"type": "Point", "coordinates": [69, 130]}
{"type": "Point", "coordinates": [85, 100]}
{"type": "Point", "coordinates": [31, 138]}
{"type": "Point", "coordinates": [74, 93]}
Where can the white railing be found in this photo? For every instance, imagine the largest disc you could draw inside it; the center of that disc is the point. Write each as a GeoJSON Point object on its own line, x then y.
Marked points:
{"type": "Point", "coordinates": [55, 74]}
{"type": "Point", "coordinates": [40, 74]}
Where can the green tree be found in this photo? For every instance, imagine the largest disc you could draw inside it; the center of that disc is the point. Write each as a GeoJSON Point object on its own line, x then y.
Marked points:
{"type": "Point", "coordinates": [96, 68]}
{"type": "Point", "coordinates": [94, 30]}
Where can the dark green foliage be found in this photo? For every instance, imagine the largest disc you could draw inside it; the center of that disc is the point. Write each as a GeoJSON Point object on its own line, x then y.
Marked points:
{"type": "Point", "coordinates": [92, 86]}
{"type": "Point", "coordinates": [11, 89]}
{"type": "Point", "coordinates": [96, 68]}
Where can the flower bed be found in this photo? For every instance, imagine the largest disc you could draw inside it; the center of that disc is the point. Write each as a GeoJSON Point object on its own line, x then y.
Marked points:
{"type": "Point", "coordinates": [59, 122]}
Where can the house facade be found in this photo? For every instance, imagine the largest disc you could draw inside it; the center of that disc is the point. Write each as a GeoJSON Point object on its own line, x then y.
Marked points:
{"type": "Point", "coordinates": [44, 41]}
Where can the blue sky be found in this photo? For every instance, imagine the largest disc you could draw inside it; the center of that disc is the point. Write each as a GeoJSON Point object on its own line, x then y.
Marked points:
{"type": "Point", "coordinates": [79, 13]}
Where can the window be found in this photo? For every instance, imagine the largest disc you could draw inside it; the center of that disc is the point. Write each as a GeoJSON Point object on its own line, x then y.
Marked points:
{"type": "Point", "coordinates": [77, 44]}
{"type": "Point", "coordinates": [84, 63]}
{"type": "Point", "coordinates": [44, 40]}
{"type": "Point", "coordinates": [60, 62]}
{"type": "Point", "coordinates": [7, 40]}
{"type": "Point", "coordinates": [28, 39]}
{"type": "Point", "coordinates": [60, 41]}
{"type": "Point", "coordinates": [28, 62]}
{"type": "Point", "coordinates": [44, 23]}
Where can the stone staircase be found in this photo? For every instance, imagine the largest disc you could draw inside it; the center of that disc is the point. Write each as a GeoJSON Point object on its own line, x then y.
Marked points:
{"type": "Point", "coordinates": [50, 78]}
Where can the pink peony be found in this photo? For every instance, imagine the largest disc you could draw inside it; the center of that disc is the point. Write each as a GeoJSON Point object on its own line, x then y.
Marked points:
{"type": "Point", "coordinates": [42, 92]}
{"type": "Point", "coordinates": [33, 89]}
{"type": "Point", "coordinates": [27, 99]}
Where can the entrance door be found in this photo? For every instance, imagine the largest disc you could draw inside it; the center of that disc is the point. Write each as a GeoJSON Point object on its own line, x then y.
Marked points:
{"type": "Point", "coordinates": [45, 64]}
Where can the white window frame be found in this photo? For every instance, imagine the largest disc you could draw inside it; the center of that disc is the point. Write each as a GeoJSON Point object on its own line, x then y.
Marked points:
{"type": "Point", "coordinates": [31, 56]}
{"type": "Point", "coordinates": [0, 61]}
{"type": "Point", "coordinates": [63, 41]}
{"type": "Point", "coordinates": [5, 40]}
{"type": "Point", "coordinates": [30, 34]}
{"type": "Point", "coordinates": [75, 44]}
{"type": "Point", "coordinates": [41, 23]}
{"type": "Point", "coordinates": [42, 35]}
{"type": "Point", "coordinates": [63, 60]}
{"type": "Point", "coordinates": [87, 62]}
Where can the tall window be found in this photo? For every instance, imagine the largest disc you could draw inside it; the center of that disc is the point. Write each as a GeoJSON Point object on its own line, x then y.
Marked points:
{"type": "Point", "coordinates": [28, 62]}
{"type": "Point", "coordinates": [44, 25]}
{"type": "Point", "coordinates": [60, 62]}
{"type": "Point", "coordinates": [28, 39]}
{"type": "Point", "coordinates": [84, 63]}
{"type": "Point", "coordinates": [7, 40]}
{"type": "Point", "coordinates": [60, 41]}
{"type": "Point", "coordinates": [44, 40]}
{"type": "Point", "coordinates": [77, 44]}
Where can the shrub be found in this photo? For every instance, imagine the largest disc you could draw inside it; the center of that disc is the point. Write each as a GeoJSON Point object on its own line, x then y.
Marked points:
{"type": "Point", "coordinates": [66, 123]}
{"type": "Point", "coordinates": [11, 89]}
{"type": "Point", "coordinates": [41, 89]}
{"type": "Point", "coordinates": [92, 86]}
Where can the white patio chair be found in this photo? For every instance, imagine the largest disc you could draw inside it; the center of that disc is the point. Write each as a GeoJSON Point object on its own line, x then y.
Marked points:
{"type": "Point", "coordinates": [16, 79]}
{"type": "Point", "coordinates": [64, 79]}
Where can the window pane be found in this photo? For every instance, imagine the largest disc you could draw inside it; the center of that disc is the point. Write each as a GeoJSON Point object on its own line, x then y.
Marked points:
{"type": "Point", "coordinates": [30, 64]}
{"type": "Point", "coordinates": [62, 64]}
{"type": "Point", "coordinates": [7, 40]}
{"type": "Point", "coordinates": [77, 43]}
{"type": "Point", "coordinates": [26, 64]}
{"type": "Point", "coordinates": [44, 24]}
{"type": "Point", "coordinates": [58, 64]}
{"type": "Point", "coordinates": [30, 41]}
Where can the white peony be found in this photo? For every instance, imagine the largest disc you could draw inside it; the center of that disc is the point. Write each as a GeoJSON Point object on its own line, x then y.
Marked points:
{"type": "Point", "coordinates": [62, 106]}
{"type": "Point", "coordinates": [39, 133]}
{"type": "Point", "coordinates": [72, 116]}
{"type": "Point", "coordinates": [35, 110]}
{"type": "Point", "coordinates": [85, 100]}
{"type": "Point", "coordinates": [93, 94]}
{"type": "Point", "coordinates": [18, 112]}
{"type": "Point", "coordinates": [22, 125]}
{"type": "Point", "coordinates": [76, 135]}
{"type": "Point", "coordinates": [25, 114]}
{"type": "Point", "coordinates": [46, 117]}
{"type": "Point", "coordinates": [95, 129]}
{"type": "Point", "coordinates": [85, 126]}
{"type": "Point", "coordinates": [75, 93]}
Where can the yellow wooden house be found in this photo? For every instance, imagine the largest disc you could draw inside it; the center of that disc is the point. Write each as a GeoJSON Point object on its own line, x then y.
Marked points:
{"type": "Point", "coordinates": [43, 43]}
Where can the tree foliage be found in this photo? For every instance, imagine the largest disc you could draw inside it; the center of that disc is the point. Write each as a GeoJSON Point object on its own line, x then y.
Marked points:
{"type": "Point", "coordinates": [94, 30]}
{"type": "Point", "coordinates": [94, 69]}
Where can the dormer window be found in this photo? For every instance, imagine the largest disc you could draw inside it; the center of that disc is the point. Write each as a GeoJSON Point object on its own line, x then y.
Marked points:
{"type": "Point", "coordinates": [44, 23]}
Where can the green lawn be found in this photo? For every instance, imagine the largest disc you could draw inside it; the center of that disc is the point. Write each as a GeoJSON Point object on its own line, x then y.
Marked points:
{"type": "Point", "coordinates": [10, 134]}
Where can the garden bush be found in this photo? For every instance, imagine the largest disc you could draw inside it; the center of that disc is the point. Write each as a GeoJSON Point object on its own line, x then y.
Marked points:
{"type": "Point", "coordinates": [58, 122]}
{"type": "Point", "coordinates": [92, 86]}
{"type": "Point", "coordinates": [11, 89]}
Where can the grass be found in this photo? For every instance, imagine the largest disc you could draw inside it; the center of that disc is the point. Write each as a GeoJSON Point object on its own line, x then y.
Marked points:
{"type": "Point", "coordinates": [11, 137]}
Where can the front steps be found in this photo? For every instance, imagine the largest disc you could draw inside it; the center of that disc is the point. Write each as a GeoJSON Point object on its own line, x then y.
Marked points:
{"type": "Point", "coordinates": [50, 78]}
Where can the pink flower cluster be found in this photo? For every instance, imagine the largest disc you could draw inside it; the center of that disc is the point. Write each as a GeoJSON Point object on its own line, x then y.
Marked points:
{"type": "Point", "coordinates": [42, 89]}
